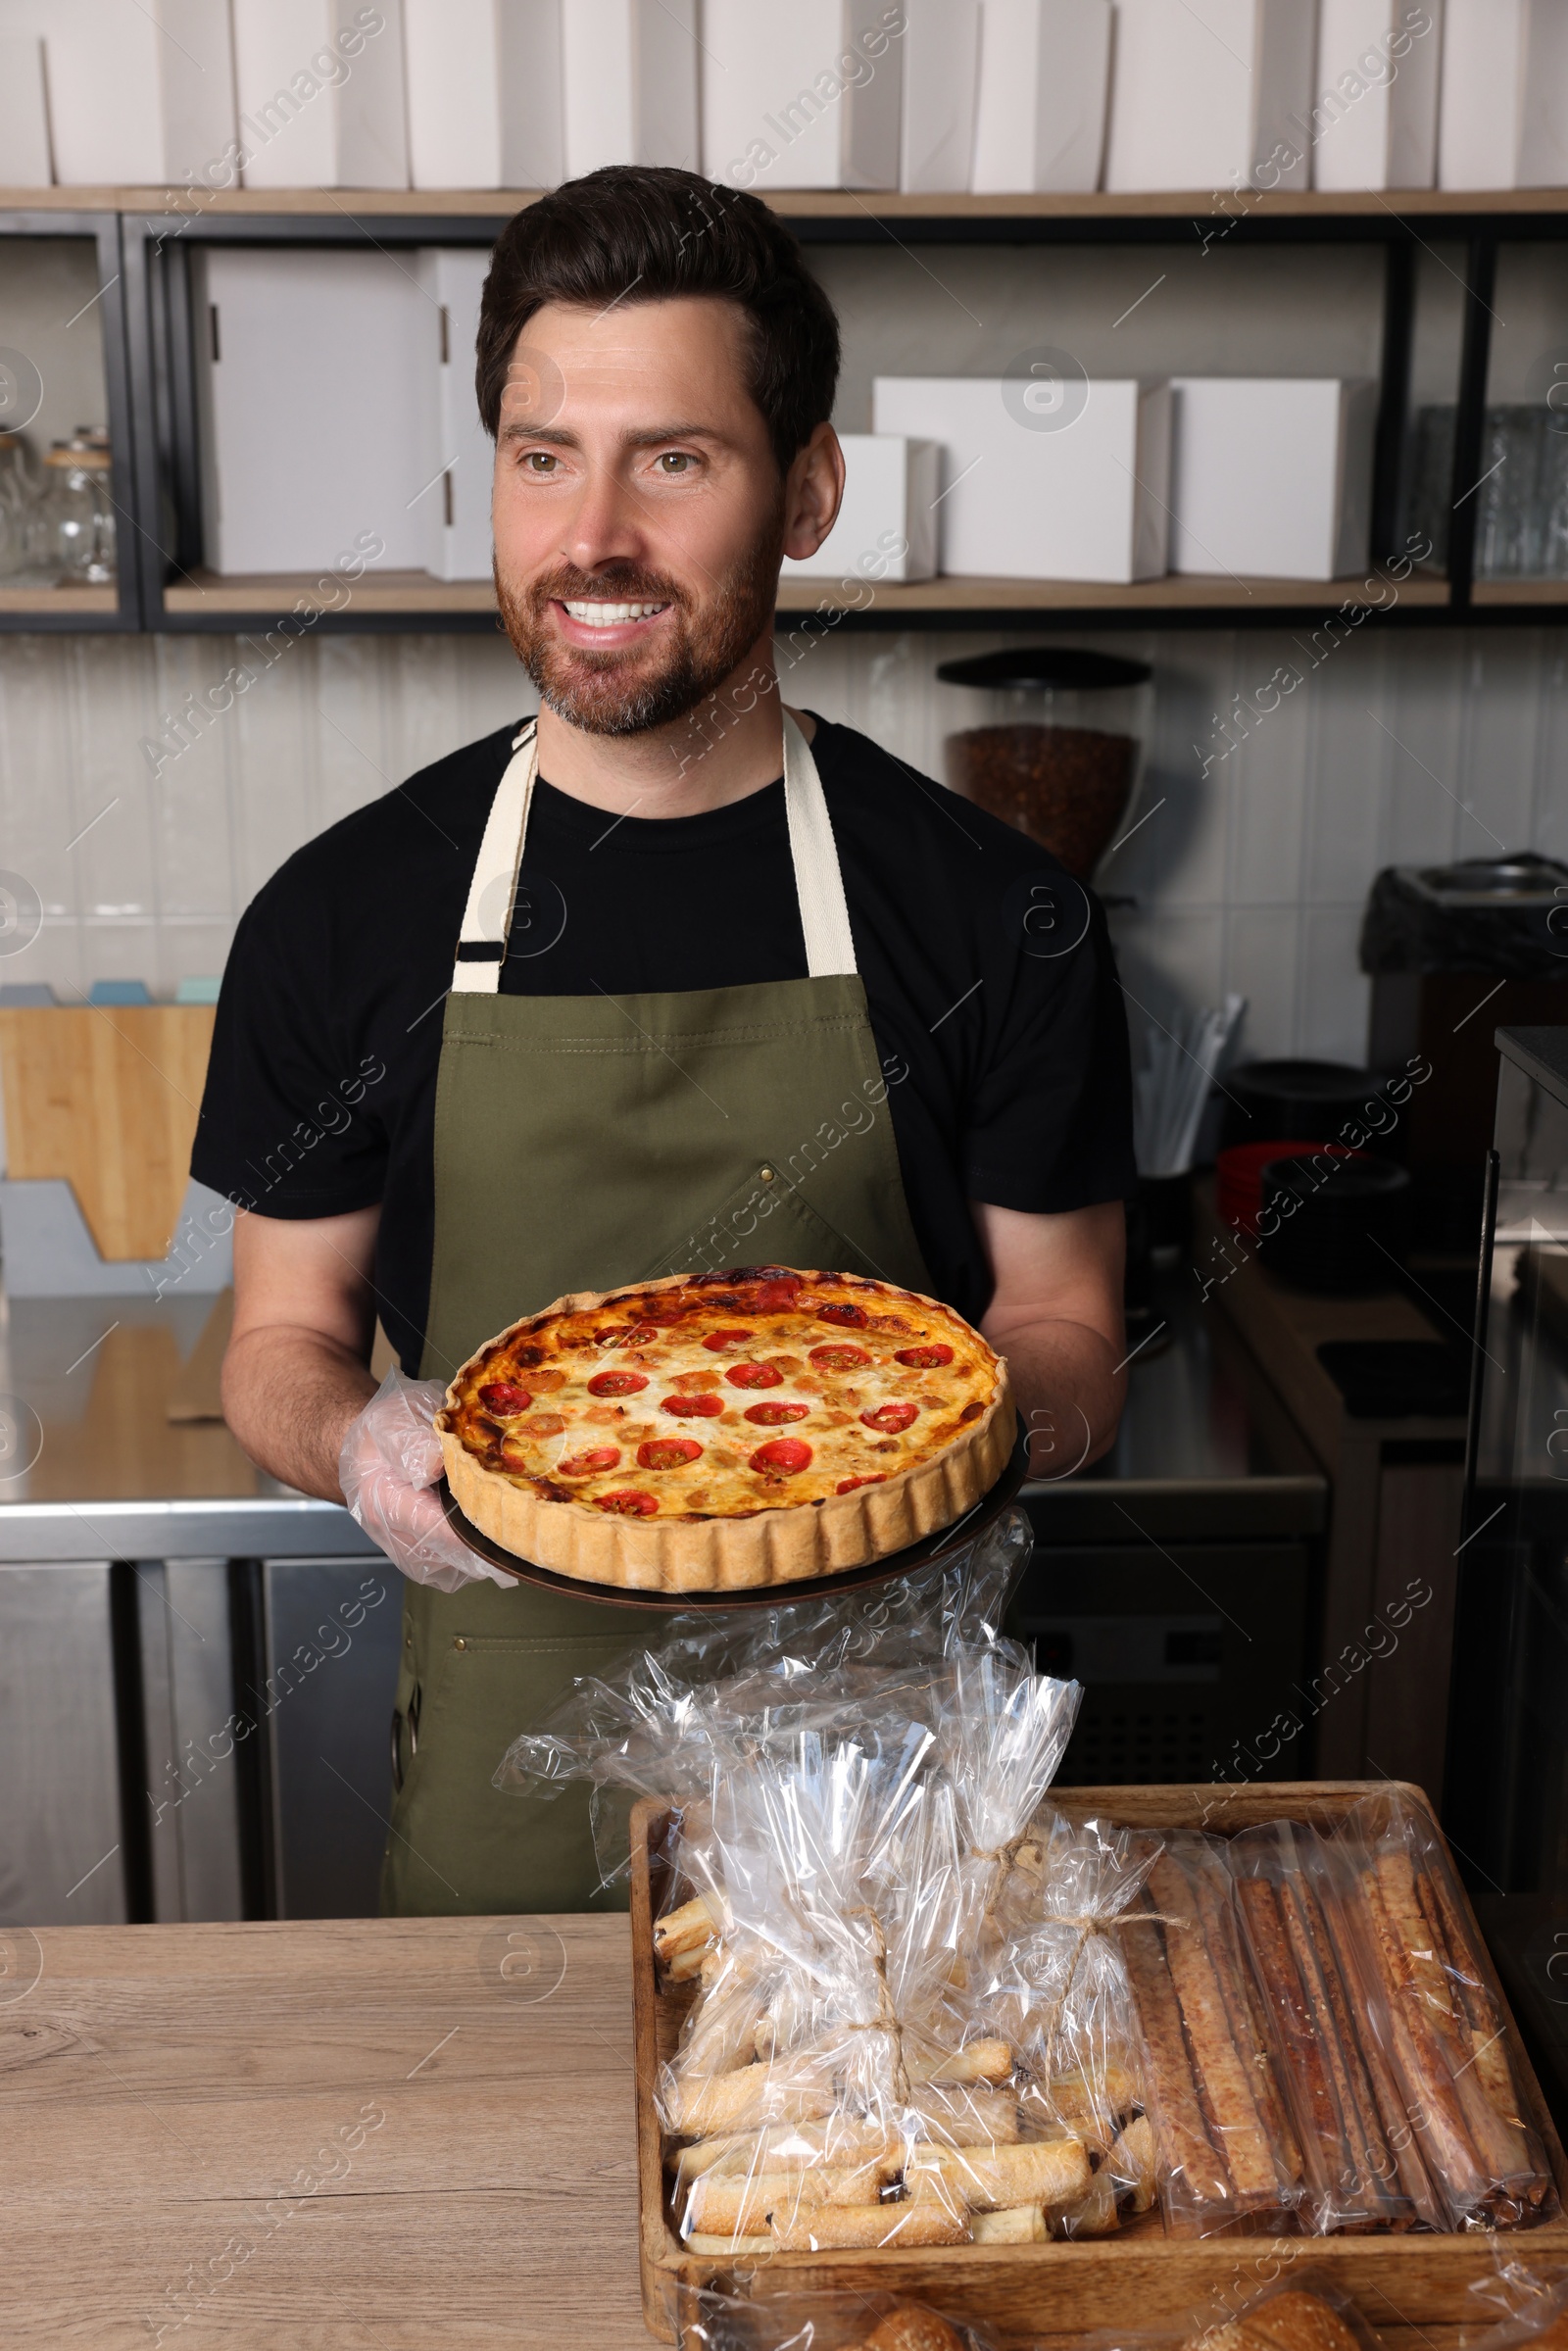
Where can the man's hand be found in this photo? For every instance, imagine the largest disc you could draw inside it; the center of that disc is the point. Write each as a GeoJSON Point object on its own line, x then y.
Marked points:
{"type": "Point", "coordinates": [1057, 1315]}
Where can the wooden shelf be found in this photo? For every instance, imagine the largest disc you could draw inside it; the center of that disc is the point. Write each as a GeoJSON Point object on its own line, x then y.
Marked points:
{"type": "Point", "coordinates": [48, 601]}
{"type": "Point", "coordinates": [1519, 591]}
{"type": "Point", "coordinates": [821, 204]}
{"type": "Point", "coordinates": [266, 596]}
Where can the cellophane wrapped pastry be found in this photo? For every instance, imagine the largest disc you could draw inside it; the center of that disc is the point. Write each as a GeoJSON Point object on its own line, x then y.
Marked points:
{"type": "Point", "coordinates": [1226, 2145]}
{"type": "Point", "coordinates": [1434, 2003]}
{"type": "Point", "coordinates": [1362, 2161]}
{"type": "Point", "coordinates": [822, 2322]}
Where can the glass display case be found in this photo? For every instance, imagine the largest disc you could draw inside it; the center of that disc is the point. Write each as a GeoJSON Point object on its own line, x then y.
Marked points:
{"type": "Point", "coordinates": [1506, 1787]}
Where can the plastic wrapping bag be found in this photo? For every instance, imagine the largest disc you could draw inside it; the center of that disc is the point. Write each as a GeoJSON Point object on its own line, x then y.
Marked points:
{"type": "Point", "coordinates": [1435, 2005]}
{"type": "Point", "coordinates": [1530, 2306]}
{"type": "Point", "coordinates": [1226, 2144]}
{"type": "Point", "coordinates": [822, 2322]}
{"type": "Point", "coordinates": [1361, 2159]}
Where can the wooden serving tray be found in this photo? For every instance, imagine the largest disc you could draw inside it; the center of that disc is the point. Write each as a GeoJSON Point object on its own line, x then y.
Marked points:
{"type": "Point", "coordinates": [1415, 2289]}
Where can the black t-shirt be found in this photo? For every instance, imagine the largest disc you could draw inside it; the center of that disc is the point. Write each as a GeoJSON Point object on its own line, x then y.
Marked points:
{"type": "Point", "coordinates": [987, 969]}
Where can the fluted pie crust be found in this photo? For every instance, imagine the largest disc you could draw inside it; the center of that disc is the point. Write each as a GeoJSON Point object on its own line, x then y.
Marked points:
{"type": "Point", "coordinates": [615, 1436]}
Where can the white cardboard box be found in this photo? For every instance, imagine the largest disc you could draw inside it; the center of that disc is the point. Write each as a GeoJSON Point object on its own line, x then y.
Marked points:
{"type": "Point", "coordinates": [299, 461]}
{"type": "Point", "coordinates": [460, 456]}
{"type": "Point", "coordinates": [1374, 116]}
{"type": "Point", "coordinates": [1086, 499]}
{"type": "Point", "coordinates": [630, 76]}
{"type": "Point", "coordinates": [24, 114]}
{"type": "Point", "coordinates": [1203, 91]}
{"type": "Point", "coordinates": [1271, 477]}
{"type": "Point", "coordinates": [941, 60]}
{"type": "Point", "coordinates": [1504, 110]}
{"type": "Point", "coordinates": [803, 95]}
{"type": "Point", "coordinates": [889, 503]}
{"type": "Point", "coordinates": [1045, 77]}
{"type": "Point", "coordinates": [320, 84]}
{"type": "Point", "coordinates": [485, 94]}
{"type": "Point", "coordinates": [139, 95]}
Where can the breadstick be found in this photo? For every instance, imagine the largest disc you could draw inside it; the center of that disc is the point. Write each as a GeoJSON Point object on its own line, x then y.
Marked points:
{"type": "Point", "coordinates": [719, 2201]}
{"type": "Point", "coordinates": [1132, 2159]}
{"type": "Point", "coordinates": [976, 2061]}
{"type": "Point", "coordinates": [966, 2113]}
{"type": "Point", "coordinates": [1487, 2025]}
{"type": "Point", "coordinates": [752, 2093]}
{"type": "Point", "coordinates": [686, 1966]}
{"type": "Point", "coordinates": [1392, 2138]}
{"type": "Point", "coordinates": [1092, 2214]}
{"type": "Point", "coordinates": [1421, 2055]}
{"type": "Point", "coordinates": [1224, 2089]}
{"type": "Point", "coordinates": [787, 2147]}
{"type": "Point", "coordinates": [1053, 2170]}
{"type": "Point", "coordinates": [849, 2228]}
{"type": "Point", "coordinates": [1014, 2224]}
{"type": "Point", "coordinates": [758, 2245]}
{"type": "Point", "coordinates": [1362, 2169]}
{"type": "Point", "coordinates": [1185, 2152]}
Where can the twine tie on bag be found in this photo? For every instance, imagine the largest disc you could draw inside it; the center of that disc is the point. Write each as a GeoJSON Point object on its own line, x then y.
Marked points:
{"type": "Point", "coordinates": [886, 2019]}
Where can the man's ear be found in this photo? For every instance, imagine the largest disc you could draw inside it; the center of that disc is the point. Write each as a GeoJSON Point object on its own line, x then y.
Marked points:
{"type": "Point", "coordinates": [813, 492]}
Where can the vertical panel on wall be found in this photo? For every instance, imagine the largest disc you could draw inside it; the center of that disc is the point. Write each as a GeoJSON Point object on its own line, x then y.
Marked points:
{"type": "Point", "coordinates": [484, 93]}
{"type": "Point", "coordinates": [806, 97]}
{"type": "Point", "coordinates": [941, 59]}
{"type": "Point", "coordinates": [25, 161]}
{"type": "Point", "coordinates": [1040, 113]}
{"type": "Point", "coordinates": [143, 95]}
{"type": "Point", "coordinates": [1504, 109]}
{"type": "Point", "coordinates": [1203, 93]}
{"type": "Point", "coordinates": [320, 94]}
{"type": "Point", "coordinates": [456, 470]}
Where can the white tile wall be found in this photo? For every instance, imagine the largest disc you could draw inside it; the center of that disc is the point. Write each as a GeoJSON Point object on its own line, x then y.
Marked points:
{"type": "Point", "coordinates": [1400, 745]}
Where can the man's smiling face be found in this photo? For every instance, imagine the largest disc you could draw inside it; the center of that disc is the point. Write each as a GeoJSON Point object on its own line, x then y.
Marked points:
{"type": "Point", "coordinates": [639, 527]}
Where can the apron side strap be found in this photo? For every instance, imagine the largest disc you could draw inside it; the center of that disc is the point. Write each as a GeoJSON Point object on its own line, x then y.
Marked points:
{"type": "Point", "coordinates": [488, 917]}
{"type": "Point", "coordinates": [818, 881]}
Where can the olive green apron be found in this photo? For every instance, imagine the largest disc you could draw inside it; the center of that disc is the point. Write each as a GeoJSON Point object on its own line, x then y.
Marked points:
{"type": "Point", "coordinates": [582, 1142]}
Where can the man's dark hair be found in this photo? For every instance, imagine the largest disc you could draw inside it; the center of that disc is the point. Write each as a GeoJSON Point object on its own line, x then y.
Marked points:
{"type": "Point", "coordinates": [635, 232]}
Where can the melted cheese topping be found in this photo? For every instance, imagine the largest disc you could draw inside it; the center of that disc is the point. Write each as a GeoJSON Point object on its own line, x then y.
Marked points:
{"type": "Point", "coordinates": [703, 1400]}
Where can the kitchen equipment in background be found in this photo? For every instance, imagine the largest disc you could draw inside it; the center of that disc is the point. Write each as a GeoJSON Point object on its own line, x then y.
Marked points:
{"type": "Point", "coordinates": [630, 71]}
{"type": "Point", "coordinates": [20, 507]}
{"type": "Point", "coordinates": [1041, 99]}
{"type": "Point", "coordinates": [768, 122]}
{"type": "Point", "coordinates": [1022, 498]}
{"type": "Point", "coordinates": [1522, 528]}
{"type": "Point", "coordinates": [24, 113]}
{"type": "Point", "coordinates": [1239, 1178]}
{"type": "Point", "coordinates": [460, 460]}
{"type": "Point", "coordinates": [1337, 1223]}
{"type": "Point", "coordinates": [1429, 485]}
{"type": "Point", "coordinates": [142, 95]}
{"type": "Point", "coordinates": [1267, 1101]}
{"type": "Point", "coordinates": [1453, 952]}
{"type": "Point", "coordinates": [1387, 135]}
{"type": "Point", "coordinates": [301, 472]}
{"type": "Point", "coordinates": [1206, 95]}
{"type": "Point", "coordinates": [76, 533]}
{"type": "Point", "coordinates": [1053, 743]}
{"type": "Point", "coordinates": [1506, 1808]}
{"type": "Point", "coordinates": [1504, 116]}
{"type": "Point", "coordinates": [1271, 477]}
{"type": "Point", "coordinates": [890, 493]}
{"type": "Point", "coordinates": [484, 93]}
{"type": "Point", "coordinates": [941, 59]}
{"type": "Point", "coordinates": [351, 131]}
{"type": "Point", "coordinates": [1170, 1091]}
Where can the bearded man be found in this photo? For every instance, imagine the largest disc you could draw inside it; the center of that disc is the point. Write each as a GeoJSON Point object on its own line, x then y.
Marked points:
{"type": "Point", "coordinates": [670, 977]}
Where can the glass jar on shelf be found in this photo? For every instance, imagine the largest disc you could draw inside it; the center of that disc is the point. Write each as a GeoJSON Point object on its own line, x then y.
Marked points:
{"type": "Point", "coordinates": [20, 502]}
{"type": "Point", "coordinates": [78, 534]}
{"type": "Point", "coordinates": [1053, 743]}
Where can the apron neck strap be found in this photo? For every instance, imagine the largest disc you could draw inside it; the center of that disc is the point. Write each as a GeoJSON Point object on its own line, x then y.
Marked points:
{"type": "Point", "coordinates": [492, 893]}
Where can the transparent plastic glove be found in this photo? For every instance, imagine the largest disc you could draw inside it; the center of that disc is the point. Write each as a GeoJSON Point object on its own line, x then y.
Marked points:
{"type": "Point", "coordinates": [391, 1458]}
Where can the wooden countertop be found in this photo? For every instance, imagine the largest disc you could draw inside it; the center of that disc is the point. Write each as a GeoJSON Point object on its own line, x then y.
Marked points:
{"type": "Point", "coordinates": [341, 2133]}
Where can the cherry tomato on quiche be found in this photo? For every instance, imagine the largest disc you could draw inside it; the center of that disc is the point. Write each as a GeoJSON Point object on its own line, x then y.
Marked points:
{"type": "Point", "coordinates": [717, 1341]}
{"type": "Point", "coordinates": [924, 1359]}
{"type": "Point", "coordinates": [700, 1408]}
{"type": "Point", "coordinates": [627, 1503]}
{"type": "Point", "coordinates": [891, 1418]}
{"type": "Point", "coordinates": [617, 1383]}
{"type": "Point", "coordinates": [785, 1453]}
{"type": "Point", "coordinates": [591, 1464]}
{"type": "Point", "coordinates": [754, 1375]}
{"type": "Point", "coordinates": [503, 1397]}
{"type": "Point", "coordinates": [875, 1477]}
{"type": "Point", "coordinates": [774, 1416]}
{"type": "Point", "coordinates": [851, 1318]}
{"type": "Point", "coordinates": [668, 1452]}
{"type": "Point", "coordinates": [839, 1358]}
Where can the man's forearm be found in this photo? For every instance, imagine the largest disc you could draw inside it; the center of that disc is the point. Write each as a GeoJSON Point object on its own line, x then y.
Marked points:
{"type": "Point", "coordinates": [289, 1397]}
{"type": "Point", "coordinates": [1070, 1389]}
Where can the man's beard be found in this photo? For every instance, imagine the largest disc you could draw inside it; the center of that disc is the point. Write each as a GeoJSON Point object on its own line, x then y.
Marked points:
{"type": "Point", "coordinates": [613, 693]}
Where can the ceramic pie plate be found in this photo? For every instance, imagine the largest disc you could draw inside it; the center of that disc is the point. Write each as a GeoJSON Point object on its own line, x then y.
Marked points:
{"type": "Point", "coordinates": [931, 1548]}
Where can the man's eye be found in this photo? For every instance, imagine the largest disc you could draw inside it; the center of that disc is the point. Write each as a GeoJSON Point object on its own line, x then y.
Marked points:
{"type": "Point", "coordinates": [675, 460]}
{"type": "Point", "coordinates": [539, 460]}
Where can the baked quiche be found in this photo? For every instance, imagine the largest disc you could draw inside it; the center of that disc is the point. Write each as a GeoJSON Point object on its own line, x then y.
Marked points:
{"type": "Point", "coordinates": [712, 1432]}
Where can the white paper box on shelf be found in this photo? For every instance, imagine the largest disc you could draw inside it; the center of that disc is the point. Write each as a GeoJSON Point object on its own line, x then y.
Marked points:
{"type": "Point", "coordinates": [1504, 119]}
{"type": "Point", "coordinates": [1039, 491]}
{"type": "Point", "coordinates": [941, 60]}
{"type": "Point", "coordinates": [300, 464]}
{"type": "Point", "coordinates": [1271, 477]}
{"type": "Point", "coordinates": [629, 69]}
{"type": "Point", "coordinates": [24, 114]}
{"type": "Point", "coordinates": [1373, 122]}
{"type": "Point", "coordinates": [1040, 115]}
{"type": "Point", "coordinates": [887, 525]}
{"type": "Point", "coordinates": [807, 95]}
{"type": "Point", "coordinates": [320, 84]}
{"type": "Point", "coordinates": [485, 93]}
{"type": "Point", "coordinates": [138, 95]}
{"type": "Point", "coordinates": [1203, 93]}
{"type": "Point", "coordinates": [459, 456]}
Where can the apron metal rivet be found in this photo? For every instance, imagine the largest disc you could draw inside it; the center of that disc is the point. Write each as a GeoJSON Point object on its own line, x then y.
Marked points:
{"type": "Point", "coordinates": [766, 1174]}
{"type": "Point", "coordinates": [459, 1642]}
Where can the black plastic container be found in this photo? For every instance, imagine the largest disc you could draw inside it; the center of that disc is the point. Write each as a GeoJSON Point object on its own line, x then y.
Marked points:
{"type": "Point", "coordinates": [1339, 1226]}
{"type": "Point", "coordinates": [1281, 1101]}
